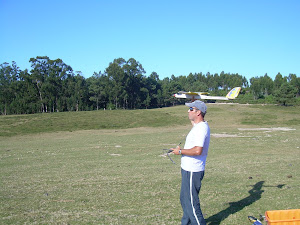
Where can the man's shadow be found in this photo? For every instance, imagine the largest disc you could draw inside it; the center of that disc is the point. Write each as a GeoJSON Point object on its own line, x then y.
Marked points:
{"type": "Point", "coordinates": [255, 194]}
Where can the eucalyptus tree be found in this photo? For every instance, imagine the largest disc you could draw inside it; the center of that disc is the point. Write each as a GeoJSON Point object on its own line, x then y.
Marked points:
{"type": "Point", "coordinates": [27, 94]}
{"type": "Point", "coordinates": [224, 81]}
{"type": "Point", "coordinates": [255, 87]}
{"type": "Point", "coordinates": [170, 87]}
{"type": "Point", "coordinates": [80, 93]}
{"type": "Point", "coordinates": [267, 85]}
{"type": "Point", "coordinates": [9, 75]}
{"type": "Point", "coordinates": [134, 74]}
{"type": "Point", "coordinates": [213, 83]}
{"type": "Point", "coordinates": [58, 72]}
{"type": "Point", "coordinates": [116, 83]}
{"type": "Point", "coordinates": [279, 80]}
{"type": "Point", "coordinates": [98, 90]}
{"type": "Point", "coordinates": [39, 74]}
{"type": "Point", "coordinates": [153, 86]}
{"type": "Point", "coordinates": [48, 76]}
{"type": "Point", "coordinates": [165, 94]}
{"type": "Point", "coordinates": [262, 86]}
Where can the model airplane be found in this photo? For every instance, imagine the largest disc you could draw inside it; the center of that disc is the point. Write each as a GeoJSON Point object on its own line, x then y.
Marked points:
{"type": "Point", "coordinates": [204, 95]}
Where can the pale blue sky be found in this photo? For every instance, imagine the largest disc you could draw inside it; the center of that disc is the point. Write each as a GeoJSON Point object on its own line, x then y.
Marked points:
{"type": "Point", "coordinates": [249, 37]}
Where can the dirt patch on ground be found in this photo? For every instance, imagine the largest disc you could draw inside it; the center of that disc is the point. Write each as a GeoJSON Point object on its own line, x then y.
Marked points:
{"type": "Point", "coordinates": [225, 135]}
{"type": "Point", "coordinates": [267, 129]}
{"type": "Point", "coordinates": [115, 154]}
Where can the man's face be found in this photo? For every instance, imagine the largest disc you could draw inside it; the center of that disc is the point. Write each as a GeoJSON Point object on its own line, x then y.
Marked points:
{"type": "Point", "coordinates": [192, 113]}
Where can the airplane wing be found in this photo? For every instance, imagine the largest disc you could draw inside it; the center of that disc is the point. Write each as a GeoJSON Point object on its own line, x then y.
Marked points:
{"type": "Point", "coordinates": [203, 95]}
{"type": "Point", "coordinates": [193, 93]}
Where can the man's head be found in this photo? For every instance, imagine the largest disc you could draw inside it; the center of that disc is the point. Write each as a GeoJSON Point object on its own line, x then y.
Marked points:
{"type": "Point", "coordinates": [198, 105]}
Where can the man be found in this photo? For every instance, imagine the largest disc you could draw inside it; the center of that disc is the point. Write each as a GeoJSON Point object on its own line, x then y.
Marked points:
{"type": "Point", "coordinates": [193, 161]}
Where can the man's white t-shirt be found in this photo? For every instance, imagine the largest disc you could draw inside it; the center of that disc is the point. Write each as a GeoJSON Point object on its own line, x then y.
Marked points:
{"type": "Point", "coordinates": [198, 136]}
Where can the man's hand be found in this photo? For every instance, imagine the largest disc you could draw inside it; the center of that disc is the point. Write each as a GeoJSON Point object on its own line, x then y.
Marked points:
{"type": "Point", "coordinates": [176, 150]}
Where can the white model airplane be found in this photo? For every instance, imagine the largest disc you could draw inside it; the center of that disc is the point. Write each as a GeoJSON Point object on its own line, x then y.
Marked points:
{"type": "Point", "coordinates": [204, 95]}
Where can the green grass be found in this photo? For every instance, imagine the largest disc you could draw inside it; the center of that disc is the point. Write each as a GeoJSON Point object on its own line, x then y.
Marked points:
{"type": "Point", "coordinates": [73, 121]}
{"type": "Point", "coordinates": [93, 175]}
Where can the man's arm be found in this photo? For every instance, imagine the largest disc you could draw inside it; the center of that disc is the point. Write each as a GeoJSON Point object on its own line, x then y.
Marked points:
{"type": "Point", "coordinates": [197, 150]}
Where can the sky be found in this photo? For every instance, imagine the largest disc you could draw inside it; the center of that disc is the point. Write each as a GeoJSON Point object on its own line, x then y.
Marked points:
{"type": "Point", "coordinates": [169, 37]}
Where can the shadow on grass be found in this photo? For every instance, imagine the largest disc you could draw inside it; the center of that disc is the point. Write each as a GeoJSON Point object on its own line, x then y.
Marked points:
{"type": "Point", "coordinates": [255, 194]}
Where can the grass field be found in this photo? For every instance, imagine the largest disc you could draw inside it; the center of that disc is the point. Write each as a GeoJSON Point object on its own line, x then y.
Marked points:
{"type": "Point", "coordinates": [107, 167]}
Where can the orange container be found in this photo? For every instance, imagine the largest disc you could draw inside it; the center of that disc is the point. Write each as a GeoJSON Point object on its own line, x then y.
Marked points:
{"type": "Point", "coordinates": [283, 217]}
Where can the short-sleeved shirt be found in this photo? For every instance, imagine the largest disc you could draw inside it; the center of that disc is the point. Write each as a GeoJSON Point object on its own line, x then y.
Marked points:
{"type": "Point", "coordinates": [198, 136]}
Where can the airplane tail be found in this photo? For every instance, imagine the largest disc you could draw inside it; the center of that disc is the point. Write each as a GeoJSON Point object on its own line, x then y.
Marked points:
{"type": "Point", "coordinates": [233, 93]}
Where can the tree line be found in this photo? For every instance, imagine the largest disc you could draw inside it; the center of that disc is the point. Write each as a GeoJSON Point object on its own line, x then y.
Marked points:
{"type": "Point", "coordinates": [53, 86]}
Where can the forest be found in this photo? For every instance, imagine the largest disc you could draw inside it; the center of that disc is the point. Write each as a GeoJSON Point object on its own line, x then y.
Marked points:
{"type": "Point", "coordinates": [53, 86]}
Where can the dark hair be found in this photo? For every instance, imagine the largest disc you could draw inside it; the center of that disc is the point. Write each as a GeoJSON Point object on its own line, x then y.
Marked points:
{"type": "Point", "coordinates": [203, 114]}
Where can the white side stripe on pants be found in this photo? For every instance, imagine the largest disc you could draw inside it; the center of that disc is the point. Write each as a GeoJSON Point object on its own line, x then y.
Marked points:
{"type": "Point", "coordinates": [191, 194]}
